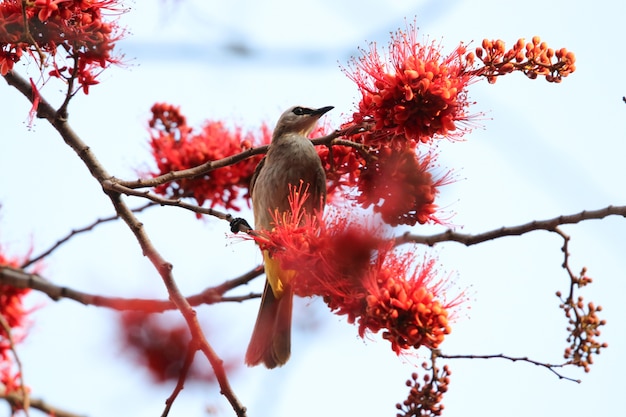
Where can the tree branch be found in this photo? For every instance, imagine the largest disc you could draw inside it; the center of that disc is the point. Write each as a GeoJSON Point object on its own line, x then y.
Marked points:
{"type": "Point", "coordinates": [330, 139]}
{"type": "Point", "coordinates": [111, 185]}
{"type": "Point", "coordinates": [17, 400]}
{"type": "Point", "coordinates": [548, 225]}
{"type": "Point", "coordinates": [17, 278]}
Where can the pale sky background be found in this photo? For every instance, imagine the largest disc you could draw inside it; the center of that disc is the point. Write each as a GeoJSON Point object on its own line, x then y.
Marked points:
{"type": "Point", "coordinates": [545, 150]}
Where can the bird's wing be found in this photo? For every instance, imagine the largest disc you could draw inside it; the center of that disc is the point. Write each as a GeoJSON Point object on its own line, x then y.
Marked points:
{"type": "Point", "coordinates": [257, 170]}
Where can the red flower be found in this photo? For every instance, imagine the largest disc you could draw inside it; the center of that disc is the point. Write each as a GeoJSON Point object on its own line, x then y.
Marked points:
{"type": "Point", "coordinates": [400, 186]}
{"type": "Point", "coordinates": [175, 146]}
{"type": "Point", "coordinates": [14, 316]}
{"type": "Point", "coordinates": [412, 95]}
{"type": "Point", "coordinates": [361, 275]}
{"type": "Point", "coordinates": [342, 165]}
{"type": "Point", "coordinates": [403, 301]}
{"type": "Point", "coordinates": [78, 28]}
{"type": "Point", "coordinates": [161, 346]}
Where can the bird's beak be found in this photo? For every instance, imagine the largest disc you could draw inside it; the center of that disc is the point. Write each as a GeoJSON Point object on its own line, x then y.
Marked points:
{"type": "Point", "coordinates": [319, 112]}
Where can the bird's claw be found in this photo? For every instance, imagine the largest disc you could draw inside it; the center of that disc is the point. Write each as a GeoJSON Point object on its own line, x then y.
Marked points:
{"type": "Point", "coordinates": [237, 223]}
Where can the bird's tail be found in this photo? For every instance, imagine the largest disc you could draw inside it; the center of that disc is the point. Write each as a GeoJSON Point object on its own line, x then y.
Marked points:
{"type": "Point", "coordinates": [271, 338]}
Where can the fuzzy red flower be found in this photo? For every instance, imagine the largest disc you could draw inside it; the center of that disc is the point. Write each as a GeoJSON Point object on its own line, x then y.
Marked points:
{"type": "Point", "coordinates": [413, 94]}
{"type": "Point", "coordinates": [14, 317]}
{"type": "Point", "coordinates": [161, 345]}
{"type": "Point", "coordinates": [403, 301]}
{"type": "Point", "coordinates": [81, 30]}
{"type": "Point", "coordinates": [176, 146]}
{"type": "Point", "coordinates": [342, 165]}
{"type": "Point", "coordinates": [400, 186]}
{"type": "Point", "coordinates": [361, 275]}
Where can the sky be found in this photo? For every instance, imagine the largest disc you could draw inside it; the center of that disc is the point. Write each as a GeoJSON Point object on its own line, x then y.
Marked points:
{"type": "Point", "coordinates": [542, 150]}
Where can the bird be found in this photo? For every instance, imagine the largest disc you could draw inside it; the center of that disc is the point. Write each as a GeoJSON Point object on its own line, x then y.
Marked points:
{"type": "Point", "coordinates": [291, 160]}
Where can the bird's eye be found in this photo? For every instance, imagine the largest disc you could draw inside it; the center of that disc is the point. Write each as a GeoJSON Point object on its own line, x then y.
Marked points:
{"type": "Point", "coordinates": [298, 111]}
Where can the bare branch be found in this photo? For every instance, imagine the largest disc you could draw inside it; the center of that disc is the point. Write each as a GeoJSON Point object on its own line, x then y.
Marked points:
{"type": "Point", "coordinates": [193, 172]}
{"type": "Point", "coordinates": [548, 225]}
{"type": "Point", "coordinates": [330, 139]}
{"type": "Point", "coordinates": [76, 232]}
{"type": "Point", "coordinates": [20, 279]}
{"type": "Point", "coordinates": [551, 367]}
{"type": "Point", "coordinates": [191, 351]}
{"type": "Point", "coordinates": [113, 186]}
{"type": "Point", "coordinates": [17, 400]}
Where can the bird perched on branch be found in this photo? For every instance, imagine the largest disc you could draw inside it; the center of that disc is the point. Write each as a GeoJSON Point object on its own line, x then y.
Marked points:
{"type": "Point", "coordinates": [290, 160]}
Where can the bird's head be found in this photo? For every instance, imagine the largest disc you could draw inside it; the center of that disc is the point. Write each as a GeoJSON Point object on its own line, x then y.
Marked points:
{"type": "Point", "coordinates": [299, 120]}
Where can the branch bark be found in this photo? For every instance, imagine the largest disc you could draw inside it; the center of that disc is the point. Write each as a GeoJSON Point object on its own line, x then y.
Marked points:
{"type": "Point", "coordinates": [548, 225]}
{"type": "Point", "coordinates": [18, 278]}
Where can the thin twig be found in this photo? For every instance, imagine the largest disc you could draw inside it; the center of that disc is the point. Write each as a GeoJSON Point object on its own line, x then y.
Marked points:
{"type": "Point", "coordinates": [111, 185]}
{"type": "Point", "coordinates": [62, 110]}
{"type": "Point", "coordinates": [25, 397]}
{"type": "Point", "coordinates": [191, 352]}
{"type": "Point", "coordinates": [548, 366]}
{"type": "Point", "coordinates": [76, 232]}
{"type": "Point", "coordinates": [565, 249]}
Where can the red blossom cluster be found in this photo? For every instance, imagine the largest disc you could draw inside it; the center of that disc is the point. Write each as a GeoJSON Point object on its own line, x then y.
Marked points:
{"type": "Point", "coordinates": [78, 29]}
{"type": "Point", "coordinates": [533, 58]}
{"type": "Point", "coordinates": [361, 275]}
{"type": "Point", "coordinates": [160, 347]}
{"type": "Point", "coordinates": [160, 344]}
{"type": "Point", "coordinates": [13, 326]}
{"type": "Point", "coordinates": [412, 95]}
{"type": "Point", "coordinates": [342, 166]}
{"type": "Point", "coordinates": [176, 146]}
{"type": "Point", "coordinates": [400, 186]}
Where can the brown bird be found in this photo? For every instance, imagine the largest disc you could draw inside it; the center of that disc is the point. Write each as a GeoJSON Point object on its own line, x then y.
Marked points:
{"type": "Point", "coordinates": [290, 160]}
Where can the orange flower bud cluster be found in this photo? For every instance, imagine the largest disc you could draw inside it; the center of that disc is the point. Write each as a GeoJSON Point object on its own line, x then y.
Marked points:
{"type": "Point", "coordinates": [583, 327]}
{"type": "Point", "coordinates": [424, 399]}
{"type": "Point", "coordinates": [176, 146]}
{"type": "Point", "coordinates": [533, 58]}
{"type": "Point", "coordinates": [76, 28]}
